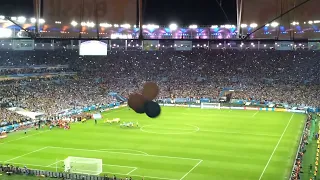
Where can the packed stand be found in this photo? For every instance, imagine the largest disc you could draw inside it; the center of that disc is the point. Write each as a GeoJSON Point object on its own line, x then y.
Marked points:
{"type": "Point", "coordinates": [279, 76]}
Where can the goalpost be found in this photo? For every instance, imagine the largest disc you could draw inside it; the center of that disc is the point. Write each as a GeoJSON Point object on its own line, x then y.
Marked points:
{"type": "Point", "coordinates": [83, 165]}
{"type": "Point", "coordinates": [210, 105]}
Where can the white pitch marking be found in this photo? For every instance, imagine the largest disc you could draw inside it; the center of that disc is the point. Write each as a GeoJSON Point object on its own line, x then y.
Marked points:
{"type": "Point", "coordinates": [274, 150]}
{"type": "Point", "coordinates": [112, 152]}
{"type": "Point", "coordinates": [191, 169]}
{"type": "Point", "coordinates": [255, 113]}
{"type": "Point", "coordinates": [26, 154]}
{"type": "Point", "coordinates": [125, 150]}
{"type": "Point", "coordinates": [25, 137]}
{"type": "Point", "coordinates": [112, 165]}
{"type": "Point", "coordinates": [131, 171]}
{"type": "Point", "coordinates": [240, 133]}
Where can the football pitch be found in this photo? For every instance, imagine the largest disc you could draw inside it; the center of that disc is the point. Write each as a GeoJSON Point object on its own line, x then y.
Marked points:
{"type": "Point", "coordinates": [182, 144]}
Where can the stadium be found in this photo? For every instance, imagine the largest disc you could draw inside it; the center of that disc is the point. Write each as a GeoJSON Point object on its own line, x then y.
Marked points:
{"type": "Point", "coordinates": [101, 96]}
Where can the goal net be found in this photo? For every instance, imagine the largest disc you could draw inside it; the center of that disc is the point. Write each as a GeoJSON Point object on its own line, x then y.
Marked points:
{"type": "Point", "coordinates": [83, 165]}
{"type": "Point", "coordinates": [210, 105]}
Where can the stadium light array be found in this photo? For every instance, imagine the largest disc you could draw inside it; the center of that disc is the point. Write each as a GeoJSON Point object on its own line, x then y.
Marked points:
{"type": "Point", "coordinates": [13, 18]}
{"type": "Point", "coordinates": [295, 23]}
{"type": "Point", "coordinates": [105, 25]}
{"type": "Point", "coordinates": [243, 25]}
{"type": "Point", "coordinates": [42, 21]}
{"type": "Point", "coordinates": [151, 26]}
{"type": "Point", "coordinates": [33, 20]}
{"type": "Point", "coordinates": [21, 19]}
{"type": "Point", "coordinates": [83, 24]}
{"type": "Point", "coordinates": [116, 25]}
{"type": "Point", "coordinates": [228, 26]}
{"type": "Point", "coordinates": [214, 26]}
{"type": "Point", "coordinates": [173, 27]}
{"type": "Point", "coordinates": [90, 24]}
{"type": "Point", "coordinates": [274, 24]}
{"type": "Point", "coordinates": [2, 17]}
{"type": "Point", "coordinates": [193, 26]}
{"type": "Point", "coordinates": [310, 22]}
{"type": "Point", "coordinates": [74, 23]}
{"type": "Point", "coordinates": [253, 25]}
{"type": "Point", "coordinates": [127, 26]}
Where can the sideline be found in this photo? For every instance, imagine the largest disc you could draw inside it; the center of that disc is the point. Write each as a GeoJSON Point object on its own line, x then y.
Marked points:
{"type": "Point", "coordinates": [275, 148]}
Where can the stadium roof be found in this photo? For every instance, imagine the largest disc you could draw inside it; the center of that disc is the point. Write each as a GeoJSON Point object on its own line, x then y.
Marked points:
{"type": "Point", "coordinates": [308, 29]}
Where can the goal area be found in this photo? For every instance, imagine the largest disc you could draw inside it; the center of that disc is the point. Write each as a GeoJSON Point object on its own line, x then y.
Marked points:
{"type": "Point", "coordinates": [82, 165]}
{"type": "Point", "coordinates": [210, 106]}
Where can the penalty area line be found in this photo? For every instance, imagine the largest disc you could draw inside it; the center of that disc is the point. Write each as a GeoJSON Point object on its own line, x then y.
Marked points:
{"type": "Point", "coordinates": [191, 169]}
{"type": "Point", "coordinates": [275, 148]}
{"type": "Point", "coordinates": [131, 171]}
{"type": "Point", "coordinates": [25, 137]}
{"type": "Point", "coordinates": [255, 113]}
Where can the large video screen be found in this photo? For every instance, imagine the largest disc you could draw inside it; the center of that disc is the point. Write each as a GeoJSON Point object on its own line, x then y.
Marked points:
{"type": "Point", "coordinates": [93, 48]}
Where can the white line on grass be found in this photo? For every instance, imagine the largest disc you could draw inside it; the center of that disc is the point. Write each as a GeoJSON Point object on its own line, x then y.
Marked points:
{"type": "Point", "coordinates": [191, 169]}
{"type": "Point", "coordinates": [25, 154]}
{"type": "Point", "coordinates": [131, 171]}
{"type": "Point", "coordinates": [112, 165]}
{"type": "Point", "coordinates": [275, 148]}
{"type": "Point", "coordinates": [125, 150]}
{"type": "Point", "coordinates": [24, 137]}
{"type": "Point", "coordinates": [149, 155]}
{"type": "Point", "coordinates": [240, 133]}
{"type": "Point", "coordinates": [255, 113]}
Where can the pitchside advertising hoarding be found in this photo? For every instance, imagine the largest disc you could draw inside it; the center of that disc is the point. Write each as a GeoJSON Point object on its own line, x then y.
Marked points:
{"type": "Point", "coordinates": [23, 45]}
{"type": "Point", "coordinates": [151, 45]}
{"type": "Point", "coordinates": [284, 45]}
{"type": "Point", "coordinates": [315, 46]}
{"type": "Point", "coordinates": [183, 45]}
{"type": "Point", "coordinates": [107, 11]}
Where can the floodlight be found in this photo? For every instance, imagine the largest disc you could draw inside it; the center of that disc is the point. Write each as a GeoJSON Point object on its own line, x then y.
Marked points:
{"type": "Point", "coordinates": [214, 26]}
{"type": "Point", "coordinates": [310, 22]}
{"type": "Point", "coordinates": [243, 25]}
{"type": "Point", "coordinates": [41, 21]}
{"type": "Point", "coordinates": [13, 18]}
{"type": "Point", "coordinates": [74, 23]}
{"type": "Point", "coordinates": [274, 24]}
{"type": "Point", "coordinates": [173, 27]}
{"type": "Point", "coordinates": [127, 26]}
{"type": "Point", "coordinates": [253, 25]}
{"type": "Point", "coordinates": [90, 24]}
{"type": "Point", "coordinates": [33, 20]}
{"type": "Point", "coordinates": [2, 17]}
{"type": "Point", "coordinates": [106, 25]}
{"type": "Point", "coordinates": [193, 26]}
{"type": "Point", "coordinates": [21, 19]}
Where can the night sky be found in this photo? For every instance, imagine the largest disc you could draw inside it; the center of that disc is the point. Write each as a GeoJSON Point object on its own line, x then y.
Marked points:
{"type": "Point", "coordinates": [164, 12]}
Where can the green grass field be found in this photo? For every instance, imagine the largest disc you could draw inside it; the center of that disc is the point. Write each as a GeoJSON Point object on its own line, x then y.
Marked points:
{"type": "Point", "coordinates": [182, 144]}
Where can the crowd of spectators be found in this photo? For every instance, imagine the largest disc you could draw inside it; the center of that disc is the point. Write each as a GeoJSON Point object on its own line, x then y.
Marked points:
{"type": "Point", "coordinates": [297, 169]}
{"type": "Point", "coordinates": [280, 76]}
